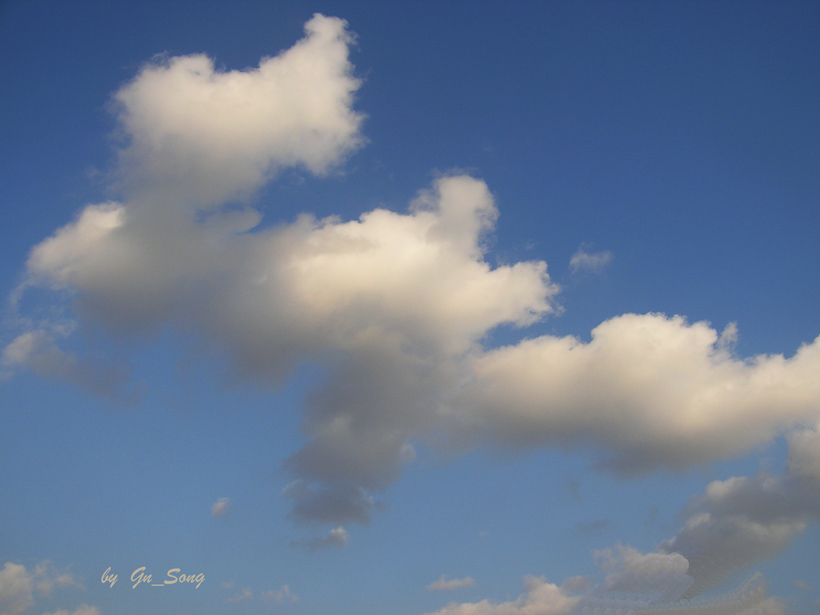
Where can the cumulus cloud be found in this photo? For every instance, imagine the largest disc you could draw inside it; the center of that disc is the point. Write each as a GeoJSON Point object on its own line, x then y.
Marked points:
{"type": "Point", "coordinates": [394, 307]}
{"type": "Point", "coordinates": [592, 262]}
{"type": "Point", "coordinates": [662, 577]}
{"type": "Point", "coordinates": [650, 390]}
{"type": "Point", "coordinates": [47, 577]}
{"type": "Point", "coordinates": [591, 527]}
{"type": "Point", "coordinates": [221, 507]}
{"type": "Point", "coordinates": [18, 587]}
{"type": "Point", "coordinates": [539, 598]}
{"type": "Point", "coordinates": [203, 136]}
{"type": "Point", "coordinates": [387, 302]}
{"type": "Point", "coordinates": [444, 584]}
{"type": "Point", "coordinates": [15, 589]}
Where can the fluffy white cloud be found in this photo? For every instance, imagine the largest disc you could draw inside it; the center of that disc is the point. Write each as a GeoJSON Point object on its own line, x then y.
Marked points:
{"type": "Point", "coordinates": [202, 136]}
{"type": "Point", "coordinates": [389, 302]}
{"type": "Point", "coordinates": [649, 389]}
{"type": "Point", "coordinates": [444, 584]}
{"type": "Point", "coordinates": [659, 575]}
{"type": "Point", "coordinates": [540, 598]}
{"type": "Point", "coordinates": [83, 609]}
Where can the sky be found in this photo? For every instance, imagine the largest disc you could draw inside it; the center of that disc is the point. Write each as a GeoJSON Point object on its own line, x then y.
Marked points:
{"type": "Point", "coordinates": [409, 308]}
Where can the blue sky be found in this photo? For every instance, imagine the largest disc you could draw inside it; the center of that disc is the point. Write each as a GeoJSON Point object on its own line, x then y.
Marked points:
{"type": "Point", "coordinates": [451, 308]}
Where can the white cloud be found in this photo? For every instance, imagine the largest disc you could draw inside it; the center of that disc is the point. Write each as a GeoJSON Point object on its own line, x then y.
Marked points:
{"type": "Point", "coordinates": [203, 136]}
{"type": "Point", "coordinates": [38, 351]}
{"type": "Point", "coordinates": [444, 584]}
{"type": "Point", "coordinates": [83, 609]}
{"type": "Point", "coordinates": [593, 262]}
{"type": "Point", "coordinates": [648, 389]}
{"type": "Point", "coordinates": [221, 507]}
{"type": "Point", "coordinates": [15, 589]}
{"type": "Point", "coordinates": [393, 306]}
{"type": "Point", "coordinates": [245, 594]}
{"type": "Point", "coordinates": [659, 575]}
{"type": "Point", "coordinates": [804, 453]}
{"type": "Point", "coordinates": [635, 591]}
{"type": "Point", "coordinates": [47, 577]}
{"type": "Point", "coordinates": [540, 598]}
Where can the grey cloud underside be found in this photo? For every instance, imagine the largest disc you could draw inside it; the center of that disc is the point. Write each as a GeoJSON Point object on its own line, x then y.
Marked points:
{"type": "Point", "coordinates": [745, 519]}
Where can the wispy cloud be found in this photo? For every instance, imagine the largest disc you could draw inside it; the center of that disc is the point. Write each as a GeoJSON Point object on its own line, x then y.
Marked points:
{"type": "Point", "coordinates": [280, 596]}
{"type": "Point", "coordinates": [395, 306]}
{"type": "Point", "coordinates": [539, 597]}
{"type": "Point", "coordinates": [221, 507]}
{"type": "Point", "coordinates": [444, 584]}
{"type": "Point", "coordinates": [242, 596]}
{"type": "Point", "coordinates": [593, 262]}
{"type": "Point", "coordinates": [19, 586]}
{"type": "Point", "coordinates": [83, 609]}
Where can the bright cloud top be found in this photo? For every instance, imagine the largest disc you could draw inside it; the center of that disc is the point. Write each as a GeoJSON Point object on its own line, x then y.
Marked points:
{"type": "Point", "coordinates": [204, 136]}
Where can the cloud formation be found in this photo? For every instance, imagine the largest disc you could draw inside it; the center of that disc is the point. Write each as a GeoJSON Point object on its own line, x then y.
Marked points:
{"type": "Point", "coordinates": [19, 586]}
{"type": "Point", "coordinates": [649, 390]}
{"type": "Point", "coordinates": [539, 598]}
{"type": "Point", "coordinates": [83, 609]}
{"type": "Point", "coordinates": [201, 136]}
{"type": "Point", "coordinates": [394, 307]}
{"type": "Point", "coordinates": [592, 262]}
{"type": "Point", "coordinates": [280, 596]}
{"type": "Point", "coordinates": [648, 590]}
{"type": "Point", "coordinates": [221, 507]}
{"type": "Point", "coordinates": [745, 519]}
{"type": "Point", "coordinates": [444, 584]}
